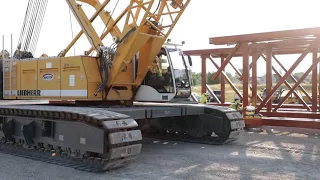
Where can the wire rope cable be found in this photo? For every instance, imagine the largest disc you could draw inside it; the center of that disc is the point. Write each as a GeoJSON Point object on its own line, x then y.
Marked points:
{"type": "Point", "coordinates": [39, 25]}
{"type": "Point", "coordinates": [32, 24]}
{"type": "Point", "coordinates": [74, 50]}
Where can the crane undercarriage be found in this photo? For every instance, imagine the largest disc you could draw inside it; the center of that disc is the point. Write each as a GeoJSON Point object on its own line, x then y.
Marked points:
{"type": "Point", "coordinates": [99, 139]}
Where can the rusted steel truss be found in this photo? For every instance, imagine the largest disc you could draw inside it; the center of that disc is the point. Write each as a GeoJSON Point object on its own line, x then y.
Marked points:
{"type": "Point", "coordinates": [267, 46]}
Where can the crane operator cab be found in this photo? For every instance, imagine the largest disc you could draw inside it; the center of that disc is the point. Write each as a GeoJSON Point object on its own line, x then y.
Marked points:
{"type": "Point", "coordinates": [169, 79]}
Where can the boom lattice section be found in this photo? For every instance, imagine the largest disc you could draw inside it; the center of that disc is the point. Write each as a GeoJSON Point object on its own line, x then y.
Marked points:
{"type": "Point", "coordinates": [138, 30]}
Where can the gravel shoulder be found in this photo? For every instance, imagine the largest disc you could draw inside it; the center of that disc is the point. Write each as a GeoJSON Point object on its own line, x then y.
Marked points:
{"type": "Point", "coordinates": [281, 153]}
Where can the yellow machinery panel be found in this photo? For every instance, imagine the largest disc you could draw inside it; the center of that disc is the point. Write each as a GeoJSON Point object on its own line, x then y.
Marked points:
{"type": "Point", "coordinates": [28, 79]}
{"type": "Point", "coordinates": [93, 77]}
{"type": "Point", "coordinates": [73, 78]}
{"type": "Point", "coordinates": [49, 80]}
{"type": "Point", "coordinates": [52, 78]}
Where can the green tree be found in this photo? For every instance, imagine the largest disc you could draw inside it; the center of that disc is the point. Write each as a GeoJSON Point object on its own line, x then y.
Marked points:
{"type": "Point", "coordinates": [230, 76]}
{"type": "Point", "coordinates": [196, 78]}
{"type": "Point", "coordinates": [297, 76]}
{"type": "Point", "coordinates": [209, 78]}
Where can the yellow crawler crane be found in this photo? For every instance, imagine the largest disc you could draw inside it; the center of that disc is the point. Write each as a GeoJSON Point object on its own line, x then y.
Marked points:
{"type": "Point", "coordinates": [138, 85]}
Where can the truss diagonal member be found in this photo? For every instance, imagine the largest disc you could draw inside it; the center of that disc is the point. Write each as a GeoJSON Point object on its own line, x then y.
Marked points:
{"type": "Point", "coordinates": [250, 65]}
{"type": "Point", "coordinates": [109, 29]}
{"type": "Point", "coordinates": [314, 65]}
{"type": "Point", "coordinates": [286, 75]}
{"type": "Point", "coordinates": [161, 6]}
{"type": "Point", "coordinates": [167, 7]}
{"type": "Point", "coordinates": [129, 11]}
{"type": "Point", "coordinates": [175, 20]}
{"type": "Point", "coordinates": [107, 19]}
{"type": "Point", "coordinates": [213, 94]}
{"type": "Point", "coordinates": [292, 77]}
{"type": "Point", "coordinates": [288, 85]}
{"type": "Point", "coordinates": [138, 9]}
{"type": "Point", "coordinates": [75, 39]}
{"type": "Point", "coordinates": [228, 59]}
{"type": "Point", "coordinates": [227, 78]}
{"type": "Point", "coordinates": [240, 75]}
{"type": "Point", "coordinates": [140, 4]}
{"type": "Point", "coordinates": [86, 25]}
{"type": "Point", "coordinates": [235, 69]}
{"type": "Point", "coordinates": [104, 15]}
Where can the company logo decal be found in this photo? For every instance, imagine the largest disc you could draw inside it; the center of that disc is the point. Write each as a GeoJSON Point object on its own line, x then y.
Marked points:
{"type": "Point", "coordinates": [47, 77]}
{"type": "Point", "coordinates": [29, 93]}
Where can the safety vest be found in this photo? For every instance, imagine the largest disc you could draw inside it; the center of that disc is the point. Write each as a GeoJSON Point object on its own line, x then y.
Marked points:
{"type": "Point", "coordinates": [203, 99]}
{"type": "Point", "coordinates": [235, 105]}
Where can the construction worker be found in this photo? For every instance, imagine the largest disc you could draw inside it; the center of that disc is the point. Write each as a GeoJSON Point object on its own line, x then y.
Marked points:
{"type": "Point", "coordinates": [4, 54]}
{"type": "Point", "coordinates": [204, 98]}
{"type": "Point", "coordinates": [155, 69]}
{"type": "Point", "coordinates": [236, 105]}
{"type": "Point", "coordinates": [18, 53]}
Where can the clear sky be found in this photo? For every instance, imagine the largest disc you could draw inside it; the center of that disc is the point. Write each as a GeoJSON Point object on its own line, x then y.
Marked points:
{"type": "Point", "coordinates": [201, 20]}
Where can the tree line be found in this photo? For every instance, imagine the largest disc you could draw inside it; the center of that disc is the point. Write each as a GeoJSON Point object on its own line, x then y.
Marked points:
{"type": "Point", "coordinates": [196, 78]}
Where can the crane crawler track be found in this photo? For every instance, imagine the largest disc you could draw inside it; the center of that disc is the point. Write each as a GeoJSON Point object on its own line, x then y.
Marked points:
{"type": "Point", "coordinates": [87, 139]}
{"type": "Point", "coordinates": [89, 165]}
{"type": "Point", "coordinates": [192, 139]}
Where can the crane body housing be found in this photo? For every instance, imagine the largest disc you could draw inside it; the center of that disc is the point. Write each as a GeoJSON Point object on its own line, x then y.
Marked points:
{"type": "Point", "coordinates": [74, 77]}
